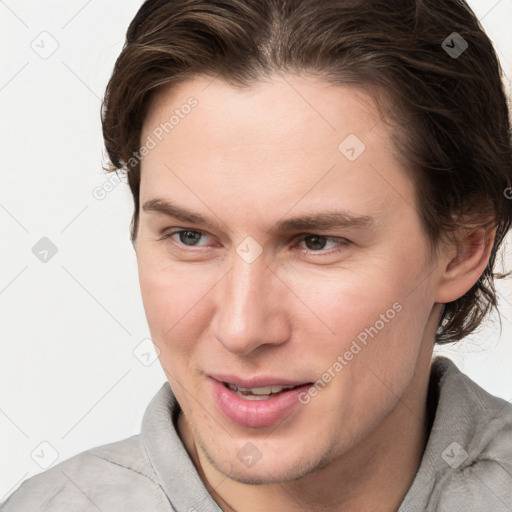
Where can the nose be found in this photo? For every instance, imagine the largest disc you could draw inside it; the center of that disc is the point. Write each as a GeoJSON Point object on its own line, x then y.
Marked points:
{"type": "Point", "coordinates": [250, 309]}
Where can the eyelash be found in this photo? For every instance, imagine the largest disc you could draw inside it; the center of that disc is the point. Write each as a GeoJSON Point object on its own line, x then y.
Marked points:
{"type": "Point", "coordinates": [343, 242]}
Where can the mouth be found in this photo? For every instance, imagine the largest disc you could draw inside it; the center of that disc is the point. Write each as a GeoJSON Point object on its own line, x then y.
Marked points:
{"type": "Point", "coordinates": [259, 402]}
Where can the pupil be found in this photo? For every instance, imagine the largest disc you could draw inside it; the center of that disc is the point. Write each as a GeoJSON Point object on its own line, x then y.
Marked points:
{"type": "Point", "coordinates": [192, 234]}
{"type": "Point", "coordinates": [316, 238]}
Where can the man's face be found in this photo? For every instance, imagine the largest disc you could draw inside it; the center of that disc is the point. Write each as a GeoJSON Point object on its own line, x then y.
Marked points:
{"type": "Point", "coordinates": [245, 297]}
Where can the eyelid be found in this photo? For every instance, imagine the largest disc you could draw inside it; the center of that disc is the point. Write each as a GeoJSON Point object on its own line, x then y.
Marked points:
{"type": "Point", "coordinates": [168, 233]}
{"type": "Point", "coordinates": [342, 242]}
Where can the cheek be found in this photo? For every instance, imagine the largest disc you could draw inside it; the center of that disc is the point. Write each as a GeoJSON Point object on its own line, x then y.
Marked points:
{"type": "Point", "coordinates": [373, 315]}
{"type": "Point", "coordinates": [334, 307]}
{"type": "Point", "coordinates": [341, 302]}
{"type": "Point", "coordinates": [173, 297]}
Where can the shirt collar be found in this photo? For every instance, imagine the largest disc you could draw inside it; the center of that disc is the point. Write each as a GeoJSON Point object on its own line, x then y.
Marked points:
{"type": "Point", "coordinates": [169, 458]}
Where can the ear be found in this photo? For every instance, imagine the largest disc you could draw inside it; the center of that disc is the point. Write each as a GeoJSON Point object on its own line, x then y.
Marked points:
{"type": "Point", "coordinates": [464, 262]}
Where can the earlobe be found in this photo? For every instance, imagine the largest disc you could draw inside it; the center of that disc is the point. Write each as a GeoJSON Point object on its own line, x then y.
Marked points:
{"type": "Point", "coordinates": [462, 270]}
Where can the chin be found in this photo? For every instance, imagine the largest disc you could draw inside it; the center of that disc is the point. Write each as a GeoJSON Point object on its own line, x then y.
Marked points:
{"type": "Point", "coordinates": [273, 469]}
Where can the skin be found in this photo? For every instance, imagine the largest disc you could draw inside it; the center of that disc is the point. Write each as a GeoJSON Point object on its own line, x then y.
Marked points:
{"type": "Point", "coordinates": [248, 159]}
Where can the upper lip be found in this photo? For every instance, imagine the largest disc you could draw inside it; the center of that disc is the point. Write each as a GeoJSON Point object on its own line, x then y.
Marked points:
{"type": "Point", "coordinates": [256, 382]}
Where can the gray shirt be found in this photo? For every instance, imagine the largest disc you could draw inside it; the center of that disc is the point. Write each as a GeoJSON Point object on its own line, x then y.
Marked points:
{"type": "Point", "coordinates": [466, 467]}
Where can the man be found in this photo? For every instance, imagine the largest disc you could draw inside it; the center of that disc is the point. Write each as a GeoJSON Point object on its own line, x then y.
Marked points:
{"type": "Point", "coordinates": [320, 194]}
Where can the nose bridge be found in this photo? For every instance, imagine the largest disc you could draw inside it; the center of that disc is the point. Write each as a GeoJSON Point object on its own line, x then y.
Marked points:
{"type": "Point", "coordinates": [248, 312]}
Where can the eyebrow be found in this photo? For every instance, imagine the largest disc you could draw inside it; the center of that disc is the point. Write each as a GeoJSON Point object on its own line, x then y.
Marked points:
{"type": "Point", "coordinates": [317, 221]}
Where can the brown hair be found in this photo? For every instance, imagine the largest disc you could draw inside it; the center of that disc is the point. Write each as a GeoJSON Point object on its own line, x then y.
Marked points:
{"type": "Point", "coordinates": [455, 137]}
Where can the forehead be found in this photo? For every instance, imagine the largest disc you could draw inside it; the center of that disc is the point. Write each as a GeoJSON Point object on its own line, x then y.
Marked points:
{"type": "Point", "coordinates": [292, 135]}
{"type": "Point", "coordinates": [267, 111]}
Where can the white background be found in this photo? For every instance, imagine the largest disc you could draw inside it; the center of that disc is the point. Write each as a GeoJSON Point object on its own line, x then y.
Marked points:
{"type": "Point", "coordinates": [69, 327]}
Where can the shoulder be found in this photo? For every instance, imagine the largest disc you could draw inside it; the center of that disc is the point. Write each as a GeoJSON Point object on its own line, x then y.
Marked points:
{"type": "Point", "coordinates": [467, 462]}
{"type": "Point", "coordinates": [114, 477]}
{"type": "Point", "coordinates": [481, 476]}
{"type": "Point", "coordinates": [475, 448]}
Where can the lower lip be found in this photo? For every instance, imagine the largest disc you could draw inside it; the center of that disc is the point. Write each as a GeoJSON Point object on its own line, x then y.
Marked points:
{"type": "Point", "coordinates": [256, 413]}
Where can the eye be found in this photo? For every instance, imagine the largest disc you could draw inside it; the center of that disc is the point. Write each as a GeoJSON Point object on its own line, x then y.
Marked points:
{"type": "Point", "coordinates": [316, 243]}
{"type": "Point", "coordinates": [184, 237]}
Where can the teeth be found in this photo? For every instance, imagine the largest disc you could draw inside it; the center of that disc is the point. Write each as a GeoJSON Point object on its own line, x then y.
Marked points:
{"type": "Point", "coordinates": [264, 391]}
{"type": "Point", "coordinates": [253, 397]}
